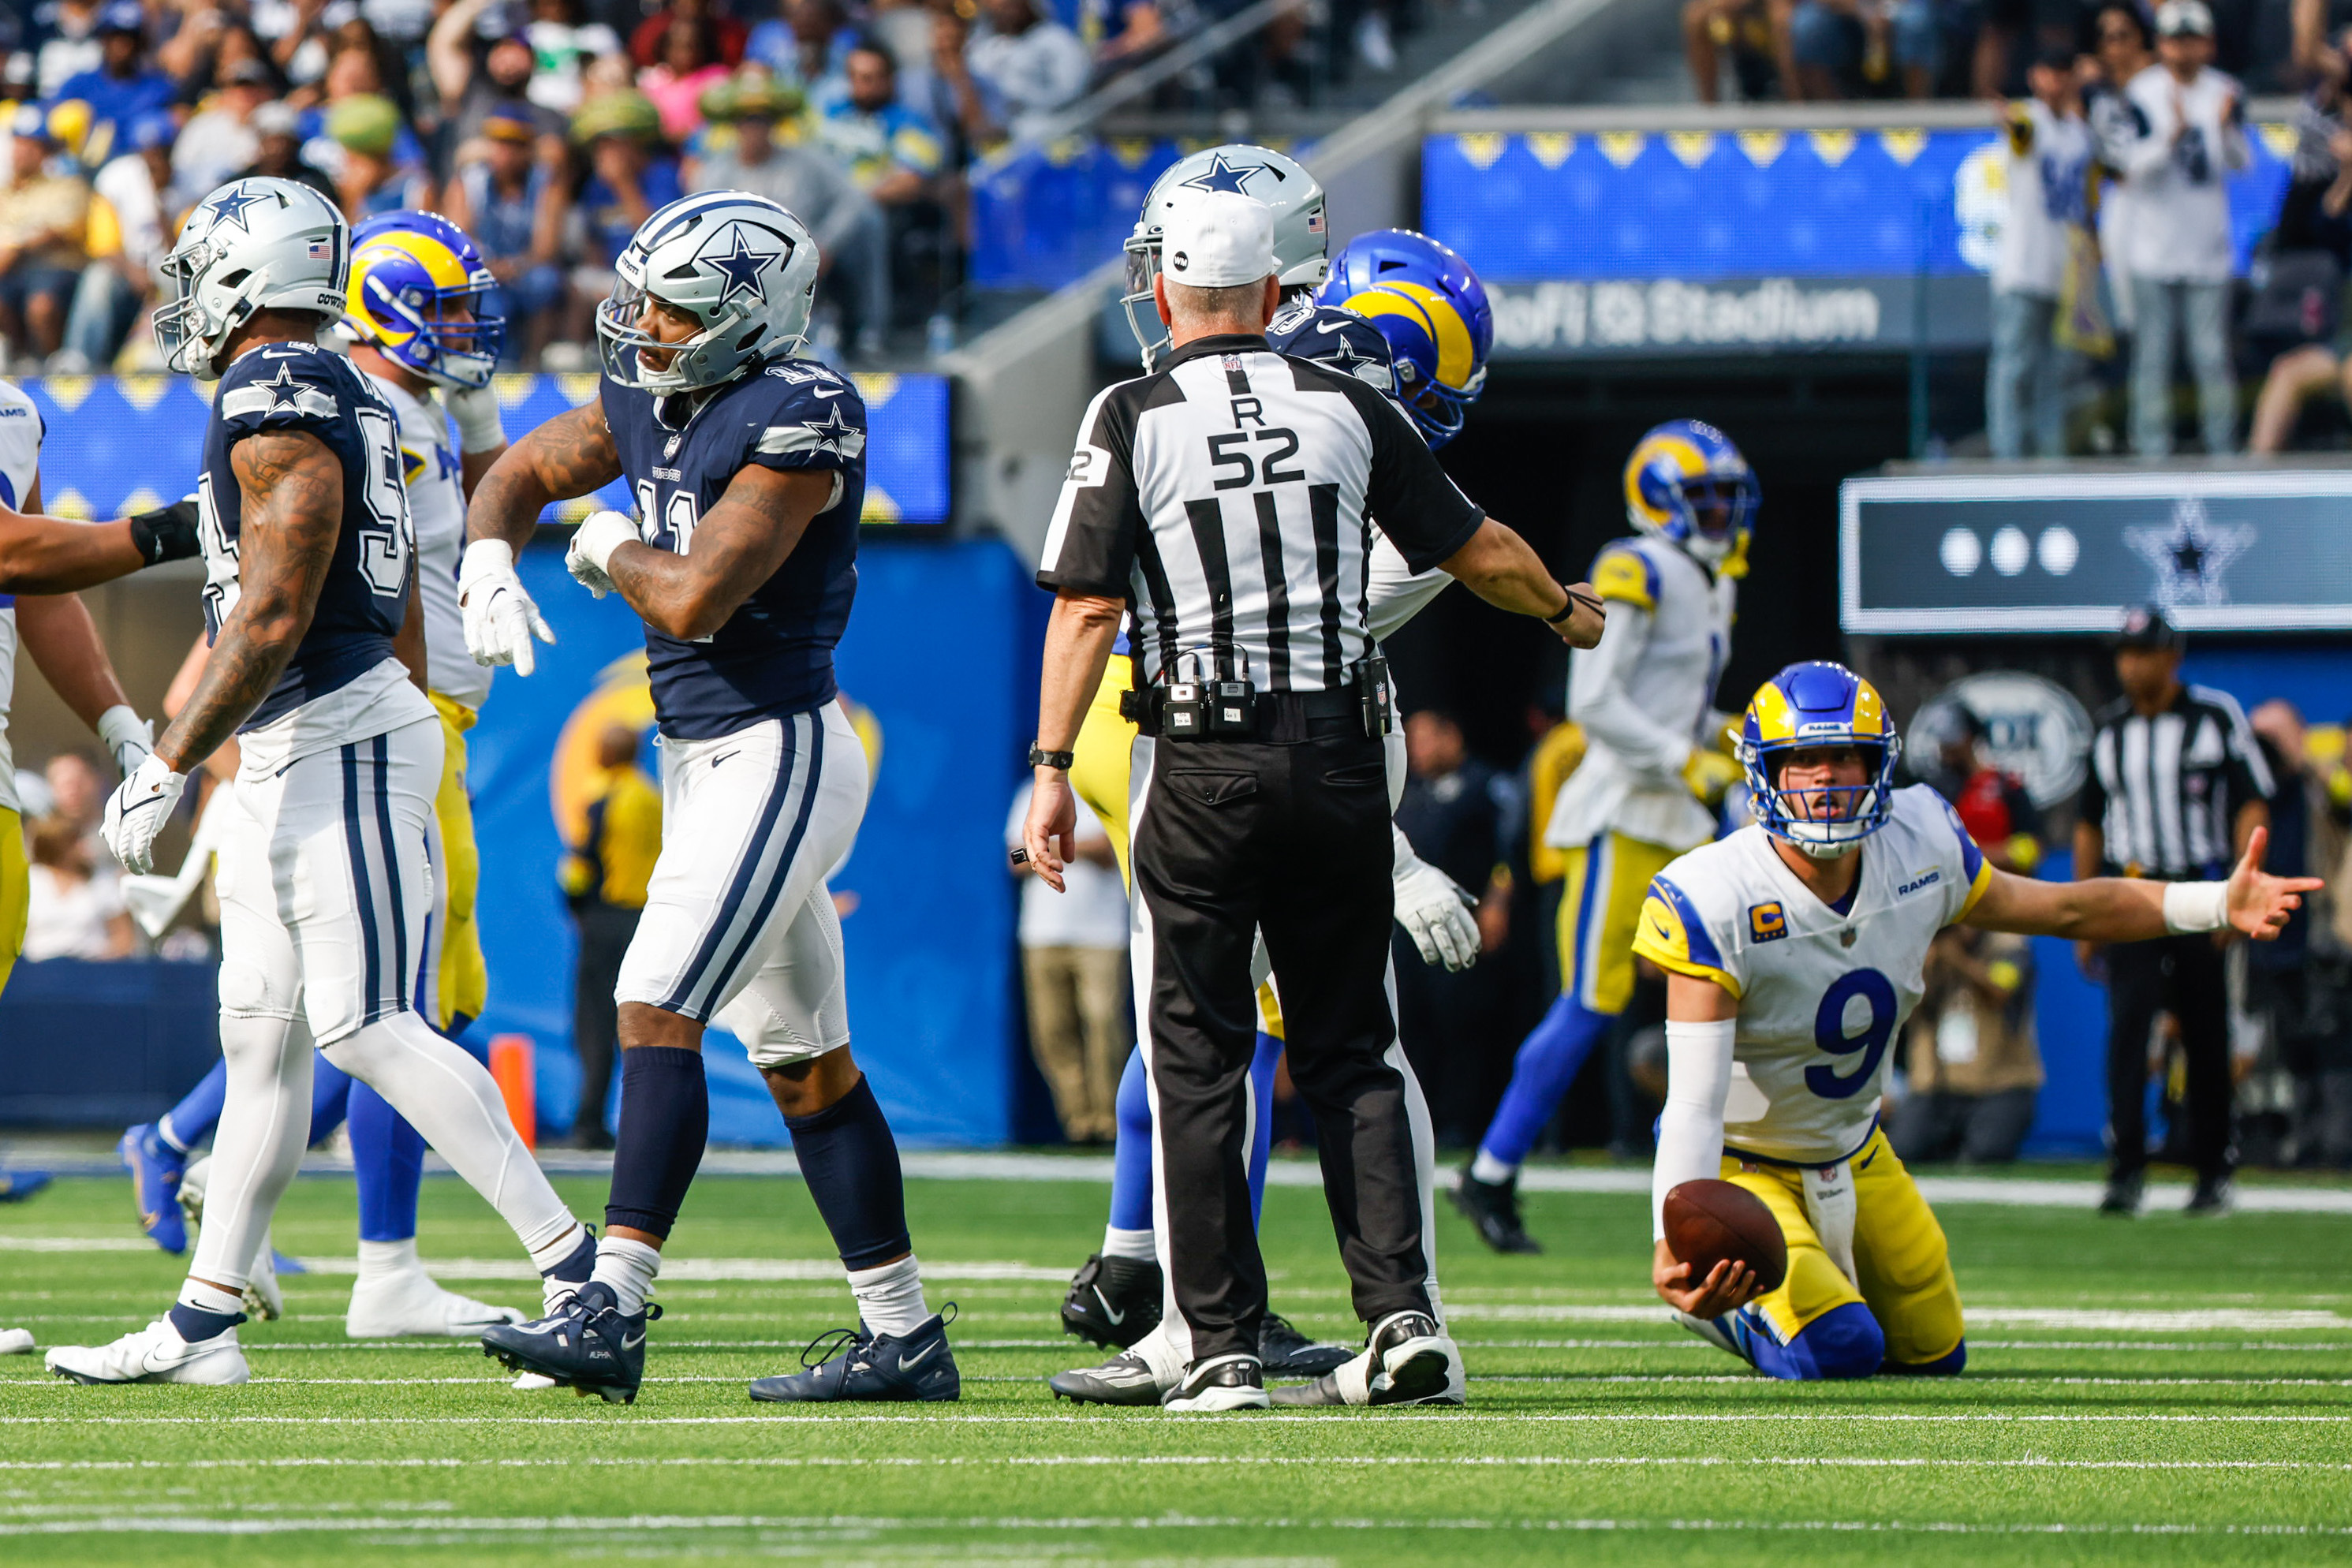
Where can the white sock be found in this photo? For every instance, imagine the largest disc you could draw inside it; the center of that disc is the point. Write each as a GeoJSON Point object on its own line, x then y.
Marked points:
{"type": "Point", "coordinates": [890, 1298]}
{"type": "Point", "coordinates": [628, 1266]}
{"type": "Point", "coordinates": [1135, 1244]}
{"type": "Point", "coordinates": [1486, 1168]}
{"type": "Point", "coordinates": [206, 1298]}
{"type": "Point", "coordinates": [388, 1259]}
{"type": "Point", "coordinates": [556, 1249]}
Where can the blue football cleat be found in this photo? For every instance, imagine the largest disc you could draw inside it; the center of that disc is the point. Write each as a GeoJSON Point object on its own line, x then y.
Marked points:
{"type": "Point", "coordinates": [16, 1186]}
{"type": "Point", "coordinates": [155, 1167]}
{"type": "Point", "coordinates": [871, 1366]}
{"type": "Point", "coordinates": [585, 1344]}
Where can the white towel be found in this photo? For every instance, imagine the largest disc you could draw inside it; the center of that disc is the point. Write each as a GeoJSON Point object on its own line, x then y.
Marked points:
{"type": "Point", "coordinates": [1829, 1203]}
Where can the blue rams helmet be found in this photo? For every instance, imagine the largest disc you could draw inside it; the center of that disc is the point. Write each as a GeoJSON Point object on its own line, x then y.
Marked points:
{"type": "Point", "coordinates": [1686, 482]}
{"type": "Point", "coordinates": [409, 271]}
{"type": "Point", "coordinates": [1820, 704]}
{"type": "Point", "coordinates": [1433, 309]}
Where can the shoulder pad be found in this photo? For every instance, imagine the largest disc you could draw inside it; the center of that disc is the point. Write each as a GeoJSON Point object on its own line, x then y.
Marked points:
{"type": "Point", "coordinates": [285, 384]}
{"type": "Point", "coordinates": [1336, 339]}
{"type": "Point", "coordinates": [1625, 573]}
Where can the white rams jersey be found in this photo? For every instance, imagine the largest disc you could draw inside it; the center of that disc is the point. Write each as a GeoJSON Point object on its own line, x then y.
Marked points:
{"type": "Point", "coordinates": [1824, 993]}
{"type": "Point", "coordinates": [20, 470]}
{"type": "Point", "coordinates": [1646, 698]}
{"type": "Point", "coordinates": [437, 502]}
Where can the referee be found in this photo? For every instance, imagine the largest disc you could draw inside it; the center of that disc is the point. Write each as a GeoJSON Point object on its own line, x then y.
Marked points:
{"type": "Point", "coordinates": [2178, 786]}
{"type": "Point", "coordinates": [1227, 500]}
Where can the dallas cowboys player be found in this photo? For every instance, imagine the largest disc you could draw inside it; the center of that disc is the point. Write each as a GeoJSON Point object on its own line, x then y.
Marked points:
{"type": "Point", "coordinates": [316, 669]}
{"type": "Point", "coordinates": [755, 458]}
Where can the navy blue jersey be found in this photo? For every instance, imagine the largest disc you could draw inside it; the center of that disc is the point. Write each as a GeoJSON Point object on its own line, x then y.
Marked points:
{"type": "Point", "coordinates": [1337, 339]}
{"type": "Point", "coordinates": [301, 387]}
{"type": "Point", "coordinates": [774, 655]}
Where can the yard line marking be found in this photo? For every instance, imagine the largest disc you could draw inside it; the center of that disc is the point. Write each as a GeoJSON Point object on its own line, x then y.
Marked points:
{"type": "Point", "coordinates": [347, 1523]}
{"type": "Point", "coordinates": [1750, 1413]}
{"type": "Point", "coordinates": [469, 1347]}
{"type": "Point", "coordinates": [1089, 1461]}
{"type": "Point", "coordinates": [1555, 1378]}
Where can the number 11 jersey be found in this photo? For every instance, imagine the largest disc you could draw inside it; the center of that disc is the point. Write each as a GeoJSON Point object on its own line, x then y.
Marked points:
{"type": "Point", "coordinates": [1823, 992]}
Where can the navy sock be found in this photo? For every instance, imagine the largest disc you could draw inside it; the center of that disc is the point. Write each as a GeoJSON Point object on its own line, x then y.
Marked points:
{"type": "Point", "coordinates": [193, 1323]}
{"type": "Point", "coordinates": [851, 1164]}
{"type": "Point", "coordinates": [579, 1264]}
{"type": "Point", "coordinates": [665, 1122]}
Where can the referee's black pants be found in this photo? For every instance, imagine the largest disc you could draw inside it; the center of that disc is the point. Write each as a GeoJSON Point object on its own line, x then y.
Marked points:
{"type": "Point", "coordinates": [2182, 975]}
{"type": "Point", "coordinates": [1290, 838]}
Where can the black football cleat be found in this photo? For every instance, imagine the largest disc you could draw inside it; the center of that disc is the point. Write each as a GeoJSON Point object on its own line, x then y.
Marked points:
{"type": "Point", "coordinates": [852, 1364]}
{"type": "Point", "coordinates": [1286, 1353]}
{"type": "Point", "coordinates": [2215, 1196]}
{"type": "Point", "coordinates": [2123, 1194]}
{"type": "Point", "coordinates": [1493, 1209]}
{"type": "Point", "coordinates": [1114, 1301]}
{"type": "Point", "coordinates": [585, 1344]}
{"type": "Point", "coordinates": [1125, 1379]}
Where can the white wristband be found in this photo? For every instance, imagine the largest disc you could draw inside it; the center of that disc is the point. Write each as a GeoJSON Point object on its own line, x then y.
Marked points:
{"type": "Point", "coordinates": [600, 535]}
{"type": "Point", "coordinates": [2196, 906]}
{"type": "Point", "coordinates": [120, 725]}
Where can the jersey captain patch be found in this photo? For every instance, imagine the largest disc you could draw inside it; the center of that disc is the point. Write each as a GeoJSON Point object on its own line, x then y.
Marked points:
{"type": "Point", "coordinates": [1766, 921]}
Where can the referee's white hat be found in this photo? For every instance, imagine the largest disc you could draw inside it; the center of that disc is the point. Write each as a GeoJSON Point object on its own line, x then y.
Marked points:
{"type": "Point", "coordinates": [1219, 240]}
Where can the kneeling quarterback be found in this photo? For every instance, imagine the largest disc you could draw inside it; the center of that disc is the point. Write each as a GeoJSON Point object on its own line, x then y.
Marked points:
{"type": "Point", "coordinates": [1794, 950]}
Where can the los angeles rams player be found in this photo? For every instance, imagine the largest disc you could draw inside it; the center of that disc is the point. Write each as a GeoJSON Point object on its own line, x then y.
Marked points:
{"type": "Point", "coordinates": [1794, 950]}
{"type": "Point", "coordinates": [1651, 774]}
{"type": "Point", "coordinates": [318, 670]}
{"type": "Point", "coordinates": [756, 458]}
{"type": "Point", "coordinates": [1115, 1296]}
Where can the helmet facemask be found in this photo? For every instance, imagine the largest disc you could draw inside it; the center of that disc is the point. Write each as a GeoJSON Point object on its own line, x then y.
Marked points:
{"type": "Point", "coordinates": [1824, 821]}
{"type": "Point", "coordinates": [1141, 302]}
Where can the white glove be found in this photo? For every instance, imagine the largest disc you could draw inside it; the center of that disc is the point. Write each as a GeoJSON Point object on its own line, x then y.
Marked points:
{"type": "Point", "coordinates": [127, 736]}
{"type": "Point", "coordinates": [592, 543]}
{"type": "Point", "coordinates": [1434, 910]}
{"type": "Point", "coordinates": [476, 410]}
{"type": "Point", "coordinates": [500, 619]}
{"type": "Point", "coordinates": [136, 813]}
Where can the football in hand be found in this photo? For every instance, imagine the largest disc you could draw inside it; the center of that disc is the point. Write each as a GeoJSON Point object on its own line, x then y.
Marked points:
{"type": "Point", "coordinates": [1710, 1221]}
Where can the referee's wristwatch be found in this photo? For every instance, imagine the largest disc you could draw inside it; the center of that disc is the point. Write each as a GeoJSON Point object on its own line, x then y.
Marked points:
{"type": "Point", "coordinates": [1041, 758]}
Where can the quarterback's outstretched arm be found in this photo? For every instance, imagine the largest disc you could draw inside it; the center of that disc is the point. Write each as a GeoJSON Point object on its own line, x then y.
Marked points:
{"type": "Point", "coordinates": [738, 545]}
{"type": "Point", "coordinates": [2123, 909]}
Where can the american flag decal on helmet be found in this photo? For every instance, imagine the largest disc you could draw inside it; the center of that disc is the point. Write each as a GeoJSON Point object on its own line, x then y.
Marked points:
{"type": "Point", "coordinates": [321, 250]}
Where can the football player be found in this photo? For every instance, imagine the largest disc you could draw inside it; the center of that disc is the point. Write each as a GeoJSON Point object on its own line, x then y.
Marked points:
{"type": "Point", "coordinates": [1794, 951]}
{"type": "Point", "coordinates": [1652, 775]}
{"type": "Point", "coordinates": [756, 456]}
{"type": "Point", "coordinates": [318, 670]}
{"type": "Point", "coordinates": [1411, 284]}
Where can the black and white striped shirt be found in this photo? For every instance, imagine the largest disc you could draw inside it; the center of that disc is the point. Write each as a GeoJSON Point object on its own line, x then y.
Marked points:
{"type": "Point", "coordinates": [2166, 790]}
{"type": "Point", "coordinates": [1229, 498]}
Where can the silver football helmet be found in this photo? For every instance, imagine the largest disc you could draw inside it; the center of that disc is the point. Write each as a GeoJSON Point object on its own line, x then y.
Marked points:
{"type": "Point", "coordinates": [1301, 239]}
{"type": "Point", "coordinates": [253, 245]}
{"type": "Point", "coordinates": [740, 265]}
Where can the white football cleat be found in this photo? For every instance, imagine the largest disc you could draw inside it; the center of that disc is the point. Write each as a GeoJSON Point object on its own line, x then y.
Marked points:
{"type": "Point", "coordinates": [397, 1306]}
{"type": "Point", "coordinates": [15, 1342]}
{"type": "Point", "coordinates": [263, 1298]}
{"type": "Point", "coordinates": [191, 1189]}
{"type": "Point", "coordinates": [155, 1354]}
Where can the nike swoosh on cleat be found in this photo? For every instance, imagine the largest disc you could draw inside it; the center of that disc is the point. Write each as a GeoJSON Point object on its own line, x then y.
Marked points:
{"type": "Point", "coordinates": [906, 1361]}
{"type": "Point", "coordinates": [1114, 1317]}
{"type": "Point", "coordinates": [629, 1344]}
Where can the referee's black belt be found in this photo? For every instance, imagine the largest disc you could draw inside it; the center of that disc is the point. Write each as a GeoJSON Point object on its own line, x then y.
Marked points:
{"type": "Point", "coordinates": [1283, 717]}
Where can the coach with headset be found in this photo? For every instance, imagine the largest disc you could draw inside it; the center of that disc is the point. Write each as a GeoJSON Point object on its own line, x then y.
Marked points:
{"type": "Point", "coordinates": [1226, 500]}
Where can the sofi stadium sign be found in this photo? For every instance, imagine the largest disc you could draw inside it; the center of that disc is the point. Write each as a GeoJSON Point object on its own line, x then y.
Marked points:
{"type": "Point", "coordinates": [1600, 317]}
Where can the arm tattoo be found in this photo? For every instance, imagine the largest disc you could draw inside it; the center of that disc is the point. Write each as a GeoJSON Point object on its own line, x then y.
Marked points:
{"type": "Point", "coordinates": [570, 454]}
{"type": "Point", "coordinates": [292, 488]}
{"type": "Point", "coordinates": [737, 546]}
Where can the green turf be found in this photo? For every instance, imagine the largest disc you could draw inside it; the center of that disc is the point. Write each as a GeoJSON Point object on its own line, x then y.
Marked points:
{"type": "Point", "coordinates": [1594, 1434]}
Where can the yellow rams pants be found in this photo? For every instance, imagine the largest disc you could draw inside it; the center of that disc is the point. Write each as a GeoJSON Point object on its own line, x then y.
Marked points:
{"type": "Point", "coordinates": [1600, 905]}
{"type": "Point", "coordinates": [16, 891]}
{"type": "Point", "coordinates": [460, 983]}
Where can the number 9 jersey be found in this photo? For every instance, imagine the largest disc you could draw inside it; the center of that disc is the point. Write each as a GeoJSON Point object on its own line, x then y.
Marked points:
{"type": "Point", "coordinates": [1823, 991]}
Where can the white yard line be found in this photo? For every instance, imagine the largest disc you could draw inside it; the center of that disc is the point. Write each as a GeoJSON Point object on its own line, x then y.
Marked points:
{"type": "Point", "coordinates": [1563, 1378]}
{"type": "Point", "coordinates": [1091, 1461]}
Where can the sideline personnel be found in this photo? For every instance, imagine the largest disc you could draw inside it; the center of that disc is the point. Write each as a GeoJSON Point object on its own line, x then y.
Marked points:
{"type": "Point", "coordinates": [1268, 808]}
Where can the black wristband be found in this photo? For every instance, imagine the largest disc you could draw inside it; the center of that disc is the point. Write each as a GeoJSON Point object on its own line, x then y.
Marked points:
{"type": "Point", "coordinates": [1039, 758]}
{"type": "Point", "coordinates": [1589, 601]}
{"type": "Point", "coordinates": [167, 533]}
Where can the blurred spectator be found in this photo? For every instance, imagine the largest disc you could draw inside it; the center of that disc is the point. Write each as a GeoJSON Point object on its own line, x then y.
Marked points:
{"type": "Point", "coordinates": [728, 35]}
{"type": "Point", "coordinates": [2294, 320]}
{"type": "Point", "coordinates": [401, 24]}
{"type": "Point", "coordinates": [43, 217]}
{"type": "Point", "coordinates": [1832, 44]}
{"type": "Point", "coordinates": [1025, 66]}
{"type": "Point", "coordinates": [1739, 32]}
{"type": "Point", "coordinates": [130, 224]}
{"type": "Point", "coordinates": [69, 43]}
{"type": "Point", "coordinates": [2316, 26]}
{"type": "Point", "coordinates": [278, 143]}
{"type": "Point", "coordinates": [218, 140]}
{"type": "Point", "coordinates": [891, 151]}
{"type": "Point", "coordinates": [1990, 803]}
{"type": "Point", "coordinates": [1074, 969]}
{"type": "Point", "coordinates": [474, 77]}
{"type": "Point", "coordinates": [300, 35]}
{"type": "Point", "coordinates": [514, 205]}
{"type": "Point", "coordinates": [904, 28]}
{"type": "Point", "coordinates": [807, 43]}
{"type": "Point", "coordinates": [632, 172]}
{"type": "Point", "coordinates": [123, 87]}
{"type": "Point", "coordinates": [1975, 1067]}
{"type": "Point", "coordinates": [604, 877]}
{"type": "Point", "coordinates": [687, 69]}
{"type": "Point", "coordinates": [851, 238]}
{"type": "Point", "coordinates": [2178, 247]}
{"type": "Point", "coordinates": [70, 913]}
{"type": "Point", "coordinates": [2303, 982]}
{"type": "Point", "coordinates": [562, 42]}
{"type": "Point", "coordinates": [2123, 48]}
{"type": "Point", "coordinates": [2050, 170]}
{"type": "Point", "coordinates": [366, 129]}
{"type": "Point", "coordinates": [77, 793]}
{"type": "Point", "coordinates": [947, 91]}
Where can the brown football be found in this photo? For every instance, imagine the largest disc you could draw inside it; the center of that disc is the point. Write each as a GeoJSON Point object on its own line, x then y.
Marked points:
{"type": "Point", "coordinates": [1708, 1221]}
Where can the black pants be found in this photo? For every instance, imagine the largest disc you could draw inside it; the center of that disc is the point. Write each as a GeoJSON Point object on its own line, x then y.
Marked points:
{"type": "Point", "coordinates": [2181, 976]}
{"type": "Point", "coordinates": [604, 932]}
{"type": "Point", "coordinates": [1974, 1128]}
{"type": "Point", "coordinates": [1292, 839]}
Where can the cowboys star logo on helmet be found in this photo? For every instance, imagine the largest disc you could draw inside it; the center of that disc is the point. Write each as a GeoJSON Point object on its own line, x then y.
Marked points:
{"type": "Point", "coordinates": [1224, 174]}
{"type": "Point", "coordinates": [230, 204]}
{"type": "Point", "coordinates": [1289, 192]}
{"type": "Point", "coordinates": [742, 263]}
{"type": "Point", "coordinates": [254, 245]}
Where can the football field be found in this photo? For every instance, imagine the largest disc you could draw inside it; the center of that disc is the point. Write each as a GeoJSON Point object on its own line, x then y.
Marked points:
{"type": "Point", "coordinates": [2165, 1392]}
